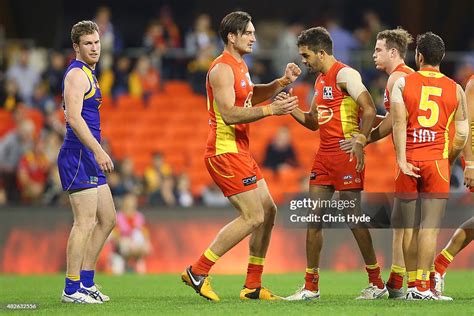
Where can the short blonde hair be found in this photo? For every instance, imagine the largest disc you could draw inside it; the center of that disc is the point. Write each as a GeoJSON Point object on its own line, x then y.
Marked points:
{"type": "Point", "coordinates": [83, 28]}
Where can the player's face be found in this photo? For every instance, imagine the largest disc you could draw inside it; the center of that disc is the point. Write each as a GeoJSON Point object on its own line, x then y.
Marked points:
{"type": "Point", "coordinates": [89, 48]}
{"type": "Point", "coordinates": [381, 55]}
{"type": "Point", "coordinates": [310, 59]}
{"type": "Point", "coordinates": [244, 42]}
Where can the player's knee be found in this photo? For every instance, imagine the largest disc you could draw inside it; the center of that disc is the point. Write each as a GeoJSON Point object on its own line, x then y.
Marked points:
{"type": "Point", "coordinates": [85, 226]}
{"type": "Point", "coordinates": [255, 219]}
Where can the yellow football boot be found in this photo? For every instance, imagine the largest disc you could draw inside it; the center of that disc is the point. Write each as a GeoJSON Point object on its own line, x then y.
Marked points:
{"type": "Point", "coordinates": [200, 283]}
{"type": "Point", "coordinates": [259, 293]}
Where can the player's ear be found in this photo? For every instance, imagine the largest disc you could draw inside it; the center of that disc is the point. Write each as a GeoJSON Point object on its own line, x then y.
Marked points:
{"type": "Point", "coordinates": [231, 38]}
{"type": "Point", "coordinates": [75, 47]}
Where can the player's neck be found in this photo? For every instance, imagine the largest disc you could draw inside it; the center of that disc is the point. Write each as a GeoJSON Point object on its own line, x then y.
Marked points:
{"type": "Point", "coordinates": [328, 63]}
{"type": "Point", "coordinates": [424, 66]}
{"type": "Point", "coordinates": [234, 53]}
{"type": "Point", "coordinates": [393, 65]}
{"type": "Point", "coordinates": [82, 60]}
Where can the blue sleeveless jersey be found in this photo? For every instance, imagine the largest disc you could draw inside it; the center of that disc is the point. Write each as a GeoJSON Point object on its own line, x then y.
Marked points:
{"type": "Point", "coordinates": [90, 109]}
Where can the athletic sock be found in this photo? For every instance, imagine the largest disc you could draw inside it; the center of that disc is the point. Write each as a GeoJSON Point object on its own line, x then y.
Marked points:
{"type": "Point", "coordinates": [373, 270]}
{"type": "Point", "coordinates": [312, 279]}
{"type": "Point", "coordinates": [442, 261]}
{"type": "Point", "coordinates": [204, 263]}
{"type": "Point", "coordinates": [254, 272]}
{"type": "Point", "coordinates": [73, 283]}
{"type": "Point", "coordinates": [411, 279]}
{"type": "Point", "coordinates": [397, 273]}
{"type": "Point", "coordinates": [87, 277]}
{"type": "Point", "coordinates": [422, 280]}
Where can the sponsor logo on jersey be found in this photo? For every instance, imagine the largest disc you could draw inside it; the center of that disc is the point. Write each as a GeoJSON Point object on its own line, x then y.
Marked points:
{"type": "Point", "coordinates": [312, 176]}
{"type": "Point", "coordinates": [347, 177]}
{"type": "Point", "coordinates": [249, 180]}
{"type": "Point", "coordinates": [242, 83]}
{"type": "Point", "coordinates": [385, 97]}
{"type": "Point", "coordinates": [325, 114]}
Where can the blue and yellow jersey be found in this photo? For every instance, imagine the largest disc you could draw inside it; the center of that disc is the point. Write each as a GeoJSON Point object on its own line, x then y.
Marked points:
{"type": "Point", "coordinates": [90, 109]}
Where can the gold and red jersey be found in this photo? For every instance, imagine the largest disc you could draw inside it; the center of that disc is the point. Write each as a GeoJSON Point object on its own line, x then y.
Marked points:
{"type": "Point", "coordinates": [338, 113]}
{"type": "Point", "coordinates": [431, 102]}
{"type": "Point", "coordinates": [224, 138]}
{"type": "Point", "coordinates": [386, 97]}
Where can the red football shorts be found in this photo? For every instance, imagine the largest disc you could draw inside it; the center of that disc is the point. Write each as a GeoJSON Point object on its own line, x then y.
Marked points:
{"type": "Point", "coordinates": [336, 170]}
{"type": "Point", "coordinates": [234, 172]}
{"type": "Point", "coordinates": [434, 180]}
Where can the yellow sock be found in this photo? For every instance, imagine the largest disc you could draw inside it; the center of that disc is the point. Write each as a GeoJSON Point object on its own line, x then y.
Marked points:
{"type": "Point", "coordinates": [257, 260]}
{"type": "Point", "coordinates": [211, 255]}
{"type": "Point", "coordinates": [447, 255]}
{"type": "Point", "coordinates": [372, 266]}
{"type": "Point", "coordinates": [73, 277]}
{"type": "Point", "coordinates": [312, 270]}
{"type": "Point", "coordinates": [411, 276]}
{"type": "Point", "coordinates": [422, 275]}
{"type": "Point", "coordinates": [398, 270]}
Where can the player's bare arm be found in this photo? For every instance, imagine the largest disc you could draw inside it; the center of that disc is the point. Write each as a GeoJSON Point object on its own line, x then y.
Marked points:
{"type": "Point", "coordinates": [467, 151]}
{"type": "Point", "coordinates": [307, 119]}
{"type": "Point", "coordinates": [76, 85]}
{"type": "Point", "coordinates": [461, 121]}
{"type": "Point", "coordinates": [221, 80]}
{"type": "Point", "coordinates": [399, 127]}
{"type": "Point", "coordinates": [262, 92]}
{"type": "Point", "coordinates": [385, 127]}
{"type": "Point", "coordinates": [350, 81]}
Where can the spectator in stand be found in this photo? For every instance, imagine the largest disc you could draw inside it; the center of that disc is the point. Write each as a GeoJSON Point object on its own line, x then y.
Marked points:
{"type": "Point", "coordinates": [9, 97]}
{"type": "Point", "coordinates": [42, 100]}
{"type": "Point", "coordinates": [121, 76]}
{"type": "Point", "coordinates": [343, 40]}
{"type": "Point", "coordinates": [128, 181]}
{"type": "Point", "coordinates": [212, 196]}
{"type": "Point", "coordinates": [110, 40]}
{"type": "Point", "coordinates": [144, 79]}
{"type": "Point", "coordinates": [161, 36]}
{"type": "Point", "coordinates": [154, 174]}
{"type": "Point", "coordinates": [286, 50]}
{"type": "Point", "coordinates": [53, 75]}
{"type": "Point", "coordinates": [24, 74]}
{"type": "Point", "coordinates": [130, 237]}
{"type": "Point", "coordinates": [12, 147]}
{"type": "Point", "coordinates": [184, 197]}
{"type": "Point", "coordinates": [32, 173]}
{"type": "Point", "coordinates": [201, 45]}
{"type": "Point", "coordinates": [280, 153]}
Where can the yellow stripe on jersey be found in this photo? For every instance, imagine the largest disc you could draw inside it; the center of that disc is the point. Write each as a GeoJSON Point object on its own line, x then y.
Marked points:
{"type": "Point", "coordinates": [446, 136]}
{"type": "Point", "coordinates": [431, 74]}
{"type": "Point", "coordinates": [91, 81]}
{"type": "Point", "coordinates": [225, 135]}
{"type": "Point", "coordinates": [349, 117]}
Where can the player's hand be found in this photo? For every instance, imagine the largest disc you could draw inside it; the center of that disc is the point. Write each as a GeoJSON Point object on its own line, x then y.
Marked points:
{"type": "Point", "coordinates": [468, 177]}
{"type": "Point", "coordinates": [284, 106]}
{"type": "Point", "coordinates": [104, 161]}
{"type": "Point", "coordinates": [409, 169]}
{"type": "Point", "coordinates": [281, 96]}
{"type": "Point", "coordinates": [357, 151]}
{"type": "Point", "coordinates": [292, 72]}
{"type": "Point", "coordinates": [347, 144]}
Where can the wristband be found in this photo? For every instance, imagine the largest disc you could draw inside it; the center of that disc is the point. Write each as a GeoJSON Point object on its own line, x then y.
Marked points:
{"type": "Point", "coordinates": [283, 82]}
{"type": "Point", "coordinates": [361, 139]}
{"type": "Point", "coordinates": [267, 110]}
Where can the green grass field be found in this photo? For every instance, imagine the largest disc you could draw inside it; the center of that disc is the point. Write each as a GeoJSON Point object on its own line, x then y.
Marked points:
{"type": "Point", "coordinates": [166, 294]}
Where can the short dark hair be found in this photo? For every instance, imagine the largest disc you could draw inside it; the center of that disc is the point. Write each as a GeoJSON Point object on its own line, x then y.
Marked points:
{"type": "Point", "coordinates": [397, 38]}
{"type": "Point", "coordinates": [83, 28]}
{"type": "Point", "coordinates": [431, 46]}
{"type": "Point", "coordinates": [316, 38]}
{"type": "Point", "coordinates": [235, 22]}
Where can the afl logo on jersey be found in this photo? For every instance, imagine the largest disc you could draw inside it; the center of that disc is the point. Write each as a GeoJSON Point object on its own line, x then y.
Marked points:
{"type": "Point", "coordinates": [327, 93]}
{"type": "Point", "coordinates": [242, 83]}
{"type": "Point", "coordinates": [385, 97]}
{"type": "Point", "coordinates": [325, 114]}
